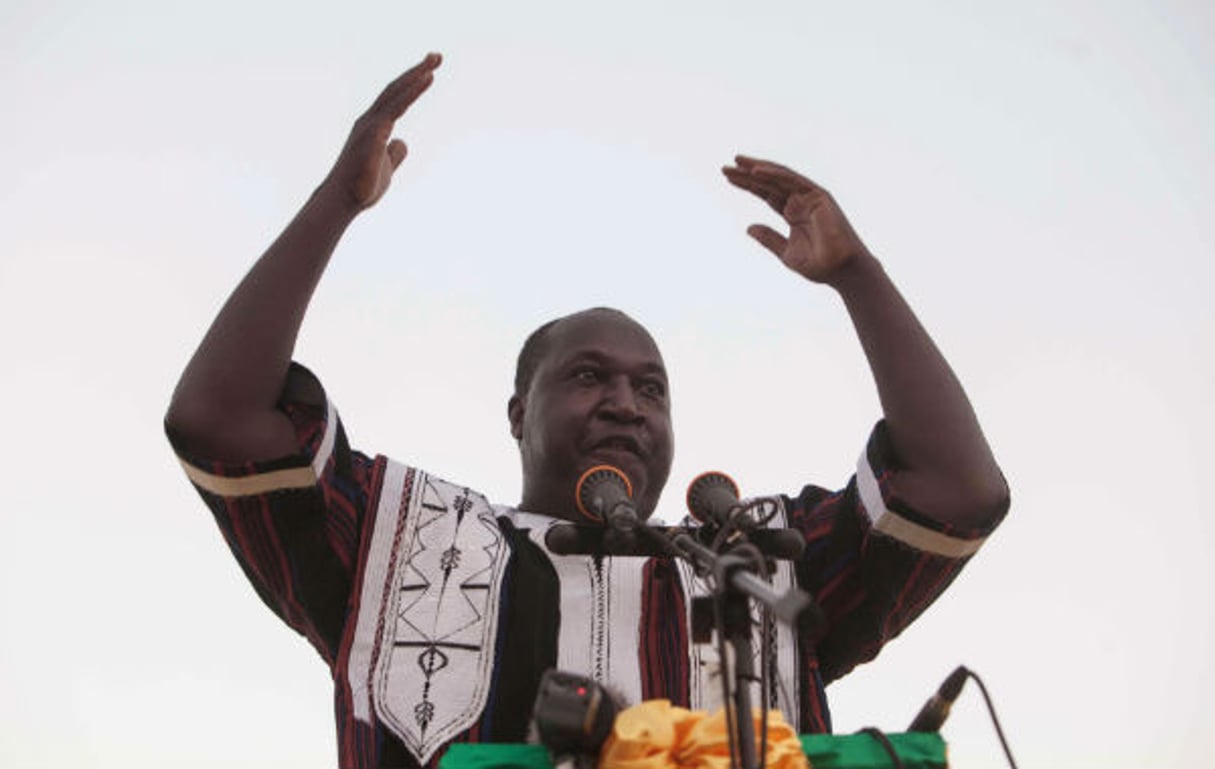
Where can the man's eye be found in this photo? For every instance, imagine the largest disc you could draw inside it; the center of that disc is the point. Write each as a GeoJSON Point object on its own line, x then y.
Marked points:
{"type": "Point", "coordinates": [586, 375]}
{"type": "Point", "coordinates": [653, 389]}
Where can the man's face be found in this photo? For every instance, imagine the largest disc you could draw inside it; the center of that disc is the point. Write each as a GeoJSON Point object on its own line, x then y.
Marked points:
{"type": "Point", "coordinates": [599, 397]}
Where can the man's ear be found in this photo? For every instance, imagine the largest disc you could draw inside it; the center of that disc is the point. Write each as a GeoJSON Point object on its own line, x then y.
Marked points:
{"type": "Point", "coordinates": [514, 412]}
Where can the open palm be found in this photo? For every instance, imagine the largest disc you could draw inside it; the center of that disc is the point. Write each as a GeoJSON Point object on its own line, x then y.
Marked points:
{"type": "Point", "coordinates": [365, 166]}
{"type": "Point", "coordinates": [820, 238]}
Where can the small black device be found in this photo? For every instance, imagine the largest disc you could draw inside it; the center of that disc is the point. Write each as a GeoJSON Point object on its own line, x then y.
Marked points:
{"type": "Point", "coordinates": [574, 716]}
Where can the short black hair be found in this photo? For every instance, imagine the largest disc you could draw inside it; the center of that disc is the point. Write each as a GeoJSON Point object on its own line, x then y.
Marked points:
{"type": "Point", "coordinates": [535, 347]}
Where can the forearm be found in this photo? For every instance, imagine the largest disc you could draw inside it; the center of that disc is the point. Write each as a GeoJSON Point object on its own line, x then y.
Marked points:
{"type": "Point", "coordinates": [949, 468]}
{"type": "Point", "coordinates": [224, 403]}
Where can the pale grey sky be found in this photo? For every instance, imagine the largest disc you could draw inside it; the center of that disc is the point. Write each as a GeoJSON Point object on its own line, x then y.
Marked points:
{"type": "Point", "coordinates": [1037, 177]}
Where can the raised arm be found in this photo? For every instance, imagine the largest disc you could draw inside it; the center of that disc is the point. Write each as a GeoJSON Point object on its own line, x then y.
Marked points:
{"type": "Point", "coordinates": [950, 472]}
{"type": "Point", "coordinates": [224, 404]}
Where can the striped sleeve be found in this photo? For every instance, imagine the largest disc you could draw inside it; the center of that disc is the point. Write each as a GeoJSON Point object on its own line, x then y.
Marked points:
{"type": "Point", "coordinates": [294, 523]}
{"type": "Point", "coordinates": [872, 562]}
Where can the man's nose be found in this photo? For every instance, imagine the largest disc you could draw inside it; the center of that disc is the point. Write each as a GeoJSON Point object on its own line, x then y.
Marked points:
{"type": "Point", "coordinates": [620, 400]}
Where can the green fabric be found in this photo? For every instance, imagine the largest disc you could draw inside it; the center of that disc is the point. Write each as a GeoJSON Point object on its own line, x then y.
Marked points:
{"type": "Point", "coordinates": [825, 751]}
{"type": "Point", "coordinates": [864, 751]}
{"type": "Point", "coordinates": [485, 755]}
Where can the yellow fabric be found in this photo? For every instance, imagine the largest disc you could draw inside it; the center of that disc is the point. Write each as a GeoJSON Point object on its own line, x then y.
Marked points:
{"type": "Point", "coordinates": [659, 735]}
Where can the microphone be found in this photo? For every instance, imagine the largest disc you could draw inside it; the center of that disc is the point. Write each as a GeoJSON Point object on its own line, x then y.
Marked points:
{"type": "Point", "coordinates": [936, 710]}
{"type": "Point", "coordinates": [712, 498]}
{"type": "Point", "coordinates": [605, 495]}
{"type": "Point", "coordinates": [713, 501]}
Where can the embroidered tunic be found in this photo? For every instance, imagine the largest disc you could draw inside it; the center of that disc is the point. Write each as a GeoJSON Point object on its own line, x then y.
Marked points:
{"type": "Point", "coordinates": [437, 611]}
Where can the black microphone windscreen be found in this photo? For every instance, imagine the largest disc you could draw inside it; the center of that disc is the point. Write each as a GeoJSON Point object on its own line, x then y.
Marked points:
{"type": "Point", "coordinates": [601, 489]}
{"type": "Point", "coordinates": [932, 716]}
{"type": "Point", "coordinates": [711, 497]}
{"type": "Point", "coordinates": [953, 684]}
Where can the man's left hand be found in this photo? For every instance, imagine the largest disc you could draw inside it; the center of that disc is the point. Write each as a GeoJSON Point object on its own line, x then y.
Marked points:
{"type": "Point", "coordinates": [820, 239]}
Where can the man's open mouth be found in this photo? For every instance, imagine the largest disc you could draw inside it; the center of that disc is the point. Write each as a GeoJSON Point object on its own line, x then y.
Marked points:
{"type": "Point", "coordinates": [619, 443]}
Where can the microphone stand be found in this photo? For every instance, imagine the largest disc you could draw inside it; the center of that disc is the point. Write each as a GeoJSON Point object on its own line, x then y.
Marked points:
{"type": "Point", "coordinates": [733, 582]}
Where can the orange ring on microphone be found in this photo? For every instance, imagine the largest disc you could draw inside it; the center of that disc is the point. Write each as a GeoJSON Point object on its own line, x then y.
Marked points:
{"type": "Point", "coordinates": [628, 488]}
{"type": "Point", "coordinates": [692, 485]}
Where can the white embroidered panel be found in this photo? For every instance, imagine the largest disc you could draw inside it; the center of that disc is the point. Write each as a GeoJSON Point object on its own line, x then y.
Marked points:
{"type": "Point", "coordinates": [437, 561]}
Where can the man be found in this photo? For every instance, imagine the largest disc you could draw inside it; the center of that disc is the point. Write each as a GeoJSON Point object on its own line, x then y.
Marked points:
{"type": "Point", "coordinates": [437, 611]}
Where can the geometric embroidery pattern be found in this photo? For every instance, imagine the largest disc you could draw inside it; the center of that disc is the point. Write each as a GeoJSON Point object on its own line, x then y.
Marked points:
{"type": "Point", "coordinates": [436, 641]}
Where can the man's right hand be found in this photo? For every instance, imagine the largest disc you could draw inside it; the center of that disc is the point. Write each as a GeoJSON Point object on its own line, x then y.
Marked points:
{"type": "Point", "coordinates": [364, 168]}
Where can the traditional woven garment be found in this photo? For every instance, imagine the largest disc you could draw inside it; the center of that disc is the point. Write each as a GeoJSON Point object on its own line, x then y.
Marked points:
{"type": "Point", "coordinates": [438, 611]}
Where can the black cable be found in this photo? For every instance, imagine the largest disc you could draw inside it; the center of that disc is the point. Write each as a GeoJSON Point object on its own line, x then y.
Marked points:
{"type": "Point", "coordinates": [884, 741]}
{"type": "Point", "coordinates": [994, 718]}
{"type": "Point", "coordinates": [741, 519]}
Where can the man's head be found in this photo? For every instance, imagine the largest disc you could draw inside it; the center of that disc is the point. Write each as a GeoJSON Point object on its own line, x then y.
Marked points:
{"type": "Point", "coordinates": [590, 389]}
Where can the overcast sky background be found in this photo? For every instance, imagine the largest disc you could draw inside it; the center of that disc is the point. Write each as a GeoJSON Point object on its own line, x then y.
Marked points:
{"type": "Point", "coordinates": [1037, 177]}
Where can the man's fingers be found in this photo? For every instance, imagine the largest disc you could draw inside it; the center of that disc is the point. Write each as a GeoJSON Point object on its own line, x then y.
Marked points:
{"type": "Point", "coordinates": [399, 99]}
{"type": "Point", "coordinates": [739, 174]}
{"type": "Point", "coordinates": [396, 152]}
{"type": "Point", "coordinates": [775, 183]}
{"type": "Point", "coordinates": [400, 93]}
{"type": "Point", "coordinates": [789, 180]}
{"type": "Point", "coordinates": [747, 182]}
{"type": "Point", "coordinates": [775, 173]}
{"type": "Point", "coordinates": [751, 163]}
{"type": "Point", "coordinates": [770, 193]}
{"type": "Point", "coordinates": [768, 238]}
{"type": "Point", "coordinates": [743, 178]}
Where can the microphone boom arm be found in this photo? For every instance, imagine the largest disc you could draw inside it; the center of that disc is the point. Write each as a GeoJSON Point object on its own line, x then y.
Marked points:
{"type": "Point", "coordinates": [734, 572]}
